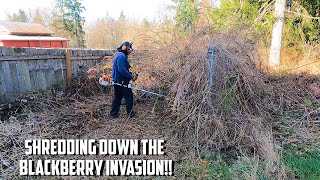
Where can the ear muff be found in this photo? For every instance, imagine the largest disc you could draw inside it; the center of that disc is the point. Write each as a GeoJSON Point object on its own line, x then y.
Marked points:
{"type": "Point", "coordinates": [124, 47]}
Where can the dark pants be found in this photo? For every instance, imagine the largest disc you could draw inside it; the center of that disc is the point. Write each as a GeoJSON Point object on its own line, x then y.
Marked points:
{"type": "Point", "coordinates": [119, 93]}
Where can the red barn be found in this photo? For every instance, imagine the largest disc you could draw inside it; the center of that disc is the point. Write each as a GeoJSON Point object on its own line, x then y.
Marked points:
{"type": "Point", "coordinates": [21, 34]}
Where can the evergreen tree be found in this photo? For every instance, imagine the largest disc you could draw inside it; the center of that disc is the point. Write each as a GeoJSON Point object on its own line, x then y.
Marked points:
{"type": "Point", "coordinates": [122, 17]}
{"type": "Point", "coordinates": [55, 23]}
{"type": "Point", "coordinates": [20, 17]}
{"type": "Point", "coordinates": [186, 15]}
{"type": "Point", "coordinates": [73, 21]}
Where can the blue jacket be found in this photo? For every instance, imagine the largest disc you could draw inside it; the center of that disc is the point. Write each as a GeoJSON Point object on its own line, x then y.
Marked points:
{"type": "Point", "coordinates": [120, 68]}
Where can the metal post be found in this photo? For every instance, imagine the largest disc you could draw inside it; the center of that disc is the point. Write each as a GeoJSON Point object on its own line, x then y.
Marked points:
{"type": "Point", "coordinates": [212, 57]}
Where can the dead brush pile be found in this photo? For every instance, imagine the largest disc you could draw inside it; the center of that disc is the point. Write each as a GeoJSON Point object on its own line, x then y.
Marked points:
{"type": "Point", "coordinates": [81, 112]}
{"type": "Point", "coordinates": [235, 111]}
{"type": "Point", "coordinates": [46, 117]}
{"type": "Point", "coordinates": [238, 111]}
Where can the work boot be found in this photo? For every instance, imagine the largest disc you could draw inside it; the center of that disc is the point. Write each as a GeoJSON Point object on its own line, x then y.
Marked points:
{"type": "Point", "coordinates": [114, 116]}
{"type": "Point", "coordinates": [132, 114]}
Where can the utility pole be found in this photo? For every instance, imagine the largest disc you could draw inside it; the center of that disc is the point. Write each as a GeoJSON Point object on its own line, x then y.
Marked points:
{"type": "Point", "coordinates": [274, 58]}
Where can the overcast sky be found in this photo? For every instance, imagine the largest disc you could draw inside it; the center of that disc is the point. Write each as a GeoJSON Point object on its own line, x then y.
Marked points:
{"type": "Point", "coordinates": [134, 9]}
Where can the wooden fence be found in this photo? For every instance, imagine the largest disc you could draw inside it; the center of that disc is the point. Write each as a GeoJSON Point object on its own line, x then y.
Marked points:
{"type": "Point", "coordinates": [24, 70]}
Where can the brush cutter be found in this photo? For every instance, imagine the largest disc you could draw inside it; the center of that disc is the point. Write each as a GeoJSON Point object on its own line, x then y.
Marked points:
{"type": "Point", "coordinates": [105, 80]}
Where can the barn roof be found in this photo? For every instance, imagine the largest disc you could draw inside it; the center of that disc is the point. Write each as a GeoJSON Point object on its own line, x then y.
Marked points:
{"type": "Point", "coordinates": [30, 38]}
{"type": "Point", "coordinates": [23, 28]}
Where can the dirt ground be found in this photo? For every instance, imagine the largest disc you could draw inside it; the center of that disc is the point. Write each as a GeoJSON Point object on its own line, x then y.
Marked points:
{"type": "Point", "coordinates": [82, 118]}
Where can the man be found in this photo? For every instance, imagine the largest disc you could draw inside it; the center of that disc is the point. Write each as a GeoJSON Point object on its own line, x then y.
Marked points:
{"type": "Point", "coordinates": [122, 75]}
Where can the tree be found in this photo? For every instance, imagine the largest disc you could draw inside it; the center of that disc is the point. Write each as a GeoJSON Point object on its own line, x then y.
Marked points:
{"type": "Point", "coordinates": [37, 17]}
{"type": "Point", "coordinates": [274, 58]}
{"type": "Point", "coordinates": [312, 28]}
{"type": "Point", "coordinates": [119, 28]}
{"type": "Point", "coordinates": [104, 33]}
{"type": "Point", "coordinates": [20, 17]}
{"type": "Point", "coordinates": [146, 23]}
{"type": "Point", "coordinates": [73, 21]}
{"type": "Point", "coordinates": [312, 6]}
{"type": "Point", "coordinates": [186, 15]}
{"type": "Point", "coordinates": [55, 22]}
{"type": "Point", "coordinates": [245, 14]}
{"type": "Point", "coordinates": [122, 17]}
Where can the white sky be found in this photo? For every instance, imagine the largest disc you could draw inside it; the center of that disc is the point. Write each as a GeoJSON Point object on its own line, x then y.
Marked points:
{"type": "Point", "coordinates": [134, 9]}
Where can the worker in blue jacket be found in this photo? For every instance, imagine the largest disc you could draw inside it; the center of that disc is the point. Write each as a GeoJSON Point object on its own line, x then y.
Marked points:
{"type": "Point", "coordinates": [122, 75]}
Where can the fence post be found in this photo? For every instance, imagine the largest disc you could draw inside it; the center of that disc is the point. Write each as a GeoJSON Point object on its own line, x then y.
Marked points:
{"type": "Point", "coordinates": [212, 57]}
{"type": "Point", "coordinates": [68, 68]}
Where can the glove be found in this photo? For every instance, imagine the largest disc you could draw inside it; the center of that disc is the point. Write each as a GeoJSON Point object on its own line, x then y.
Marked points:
{"type": "Point", "coordinates": [134, 76]}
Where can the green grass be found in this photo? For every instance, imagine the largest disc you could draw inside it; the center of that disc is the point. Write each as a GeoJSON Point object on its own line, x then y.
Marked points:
{"type": "Point", "coordinates": [298, 162]}
{"type": "Point", "coordinates": [304, 160]}
{"type": "Point", "coordinates": [222, 166]}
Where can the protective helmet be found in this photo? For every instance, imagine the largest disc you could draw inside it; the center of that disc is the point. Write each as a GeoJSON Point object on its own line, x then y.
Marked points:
{"type": "Point", "coordinates": [124, 46]}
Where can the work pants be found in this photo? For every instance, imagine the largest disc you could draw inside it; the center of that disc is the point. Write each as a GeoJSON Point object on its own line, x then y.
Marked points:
{"type": "Point", "coordinates": [119, 93]}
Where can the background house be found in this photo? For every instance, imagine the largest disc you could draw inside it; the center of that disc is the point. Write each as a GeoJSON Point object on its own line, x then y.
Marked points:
{"type": "Point", "coordinates": [22, 34]}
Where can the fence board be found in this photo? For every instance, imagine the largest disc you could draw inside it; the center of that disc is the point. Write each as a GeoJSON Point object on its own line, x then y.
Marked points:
{"type": "Point", "coordinates": [23, 70]}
